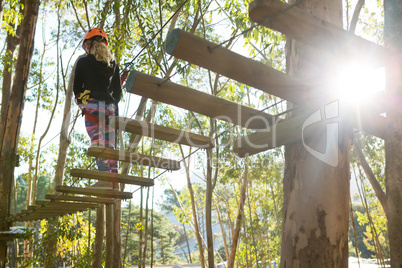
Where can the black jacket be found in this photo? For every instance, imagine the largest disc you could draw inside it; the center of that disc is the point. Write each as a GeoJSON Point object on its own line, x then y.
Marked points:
{"type": "Point", "coordinates": [96, 76]}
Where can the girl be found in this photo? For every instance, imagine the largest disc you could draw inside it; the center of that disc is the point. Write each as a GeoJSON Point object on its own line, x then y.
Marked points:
{"type": "Point", "coordinates": [97, 90]}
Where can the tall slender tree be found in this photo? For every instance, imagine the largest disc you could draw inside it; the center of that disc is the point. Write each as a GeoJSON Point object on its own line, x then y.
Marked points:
{"type": "Point", "coordinates": [14, 114]}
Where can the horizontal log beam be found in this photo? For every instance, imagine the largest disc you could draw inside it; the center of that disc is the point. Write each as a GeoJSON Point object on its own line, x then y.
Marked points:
{"type": "Point", "coordinates": [284, 132]}
{"type": "Point", "coordinates": [94, 192]}
{"type": "Point", "coordinates": [134, 158]}
{"type": "Point", "coordinates": [197, 101]}
{"type": "Point", "coordinates": [60, 197]}
{"type": "Point", "coordinates": [295, 129]}
{"type": "Point", "coordinates": [162, 133]}
{"type": "Point", "coordinates": [302, 26]}
{"type": "Point", "coordinates": [218, 59]}
{"type": "Point", "coordinates": [111, 177]}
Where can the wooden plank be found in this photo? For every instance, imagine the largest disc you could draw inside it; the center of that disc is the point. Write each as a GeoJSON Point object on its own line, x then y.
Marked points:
{"type": "Point", "coordinates": [198, 51]}
{"type": "Point", "coordinates": [111, 177]}
{"type": "Point", "coordinates": [292, 130]}
{"type": "Point", "coordinates": [370, 123]}
{"type": "Point", "coordinates": [300, 25]}
{"type": "Point", "coordinates": [134, 158]}
{"type": "Point", "coordinates": [284, 132]}
{"type": "Point", "coordinates": [73, 198]}
{"type": "Point", "coordinates": [94, 192]}
{"type": "Point", "coordinates": [194, 100]}
{"type": "Point", "coordinates": [162, 133]}
{"type": "Point", "coordinates": [69, 205]}
{"type": "Point", "coordinates": [60, 197]}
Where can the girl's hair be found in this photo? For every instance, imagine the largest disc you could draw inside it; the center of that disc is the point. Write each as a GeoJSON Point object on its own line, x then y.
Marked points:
{"type": "Point", "coordinates": [102, 52]}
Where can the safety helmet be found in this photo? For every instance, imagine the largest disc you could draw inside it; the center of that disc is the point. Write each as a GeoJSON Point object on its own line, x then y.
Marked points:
{"type": "Point", "coordinates": [94, 32]}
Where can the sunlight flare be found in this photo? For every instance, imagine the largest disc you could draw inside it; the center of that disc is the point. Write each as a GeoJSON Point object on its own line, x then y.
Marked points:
{"type": "Point", "coordinates": [354, 83]}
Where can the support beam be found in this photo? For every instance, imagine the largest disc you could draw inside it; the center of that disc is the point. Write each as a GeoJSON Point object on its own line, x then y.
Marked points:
{"type": "Point", "coordinates": [162, 133]}
{"type": "Point", "coordinates": [197, 101]}
{"type": "Point", "coordinates": [111, 177]}
{"type": "Point", "coordinates": [282, 133]}
{"type": "Point", "coordinates": [218, 59]}
{"type": "Point", "coordinates": [302, 26]}
{"type": "Point", "coordinates": [134, 158]}
{"type": "Point", "coordinates": [295, 129]}
{"type": "Point", "coordinates": [94, 192]}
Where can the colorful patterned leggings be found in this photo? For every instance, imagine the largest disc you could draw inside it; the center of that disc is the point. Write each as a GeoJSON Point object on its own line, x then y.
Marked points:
{"type": "Point", "coordinates": [101, 133]}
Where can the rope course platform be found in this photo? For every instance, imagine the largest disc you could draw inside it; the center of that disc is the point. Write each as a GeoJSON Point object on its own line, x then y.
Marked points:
{"type": "Point", "coordinates": [162, 133]}
{"type": "Point", "coordinates": [134, 158]}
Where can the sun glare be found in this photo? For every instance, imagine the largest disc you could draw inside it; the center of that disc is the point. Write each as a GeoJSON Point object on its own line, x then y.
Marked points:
{"type": "Point", "coordinates": [355, 83]}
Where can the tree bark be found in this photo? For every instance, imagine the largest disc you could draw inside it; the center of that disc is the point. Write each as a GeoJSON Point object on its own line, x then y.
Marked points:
{"type": "Point", "coordinates": [14, 114]}
{"type": "Point", "coordinates": [316, 191]}
{"type": "Point", "coordinates": [12, 42]}
{"type": "Point", "coordinates": [393, 137]}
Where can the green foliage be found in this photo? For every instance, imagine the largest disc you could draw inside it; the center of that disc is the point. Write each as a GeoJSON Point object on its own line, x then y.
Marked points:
{"type": "Point", "coordinates": [164, 236]}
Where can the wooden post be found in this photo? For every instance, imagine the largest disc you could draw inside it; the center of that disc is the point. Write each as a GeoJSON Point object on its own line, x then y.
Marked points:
{"type": "Point", "coordinates": [100, 233]}
{"type": "Point", "coordinates": [110, 239]}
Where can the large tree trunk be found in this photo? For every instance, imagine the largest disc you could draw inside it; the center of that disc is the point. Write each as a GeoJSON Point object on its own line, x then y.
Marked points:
{"type": "Point", "coordinates": [316, 191]}
{"type": "Point", "coordinates": [14, 113]}
{"type": "Point", "coordinates": [393, 138]}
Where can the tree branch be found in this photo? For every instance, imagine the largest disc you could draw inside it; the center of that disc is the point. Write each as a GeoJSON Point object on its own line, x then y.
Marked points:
{"type": "Point", "coordinates": [76, 16]}
{"type": "Point", "coordinates": [370, 175]}
{"type": "Point", "coordinates": [355, 16]}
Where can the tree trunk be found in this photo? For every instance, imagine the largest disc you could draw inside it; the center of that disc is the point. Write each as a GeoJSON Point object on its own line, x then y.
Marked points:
{"type": "Point", "coordinates": [316, 191]}
{"type": "Point", "coordinates": [194, 210]}
{"type": "Point", "coordinates": [14, 113]}
{"type": "Point", "coordinates": [208, 209]}
{"type": "Point", "coordinates": [240, 214]}
{"type": "Point", "coordinates": [12, 42]}
{"type": "Point", "coordinates": [393, 138]}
